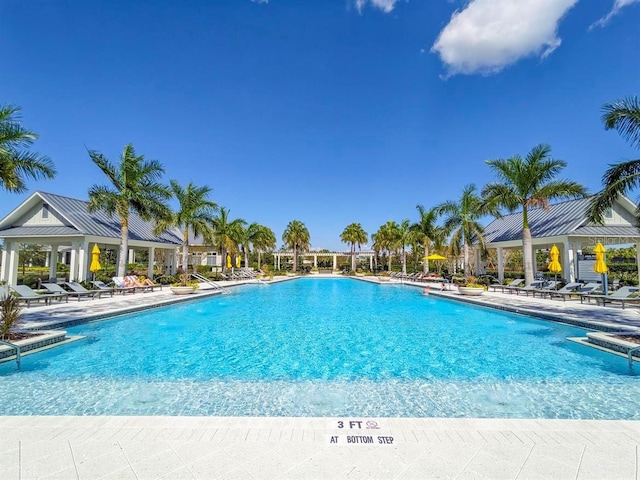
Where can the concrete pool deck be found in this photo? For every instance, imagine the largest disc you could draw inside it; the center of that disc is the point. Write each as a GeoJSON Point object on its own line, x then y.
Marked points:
{"type": "Point", "coordinates": [293, 448]}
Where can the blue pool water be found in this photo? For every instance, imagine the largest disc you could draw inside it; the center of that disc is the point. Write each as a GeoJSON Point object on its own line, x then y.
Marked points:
{"type": "Point", "coordinates": [320, 347]}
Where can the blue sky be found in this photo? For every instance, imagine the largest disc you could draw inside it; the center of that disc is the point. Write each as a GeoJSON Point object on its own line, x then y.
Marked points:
{"type": "Point", "coordinates": [329, 112]}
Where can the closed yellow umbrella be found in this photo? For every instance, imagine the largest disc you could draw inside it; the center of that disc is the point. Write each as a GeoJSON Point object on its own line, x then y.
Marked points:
{"type": "Point", "coordinates": [601, 267]}
{"type": "Point", "coordinates": [238, 261]}
{"type": "Point", "coordinates": [229, 265]}
{"type": "Point", "coordinates": [554, 266]}
{"type": "Point", "coordinates": [95, 259]}
{"type": "Point", "coordinates": [434, 256]}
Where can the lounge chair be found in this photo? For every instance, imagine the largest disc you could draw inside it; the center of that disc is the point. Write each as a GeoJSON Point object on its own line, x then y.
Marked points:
{"type": "Point", "coordinates": [133, 280]}
{"type": "Point", "coordinates": [514, 284]}
{"type": "Point", "coordinates": [55, 288]}
{"type": "Point", "coordinates": [26, 294]}
{"type": "Point", "coordinates": [78, 288]}
{"type": "Point", "coordinates": [536, 285]}
{"type": "Point", "coordinates": [564, 292]}
{"type": "Point", "coordinates": [622, 295]}
{"type": "Point", "coordinates": [104, 287]}
{"type": "Point", "coordinates": [588, 290]}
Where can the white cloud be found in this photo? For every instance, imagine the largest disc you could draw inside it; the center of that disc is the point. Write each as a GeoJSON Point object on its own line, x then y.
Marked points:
{"type": "Point", "coordinates": [488, 35]}
{"type": "Point", "coordinates": [385, 5]}
{"type": "Point", "coordinates": [617, 6]}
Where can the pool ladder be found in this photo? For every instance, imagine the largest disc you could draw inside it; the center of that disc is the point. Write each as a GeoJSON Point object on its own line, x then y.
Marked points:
{"type": "Point", "coordinates": [202, 279]}
{"type": "Point", "coordinates": [17, 348]}
{"type": "Point", "coordinates": [630, 354]}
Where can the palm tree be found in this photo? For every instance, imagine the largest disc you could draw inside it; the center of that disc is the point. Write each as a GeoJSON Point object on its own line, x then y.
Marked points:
{"type": "Point", "coordinates": [258, 236]}
{"type": "Point", "coordinates": [226, 234]}
{"type": "Point", "coordinates": [195, 213]}
{"type": "Point", "coordinates": [264, 240]}
{"type": "Point", "coordinates": [624, 116]}
{"type": "Point", "coordinates": [403, 238]}
{"type": "Point", "coordinates": [355, 235]}
{"type": "Point", "coordinates": [525, 183]}
{"type": "Point", "coordinates": [462, 221]}
{"type": "Point", "coordinates": [296, 237]}
{"type": "Point", "coordinates": [134, 187]}
{"type": "Point", "coordinates": [16, 163]}
{"type": "Point", "coordinates": [425, 229]}
{"type": "Point", "coordinates": [386, 240]}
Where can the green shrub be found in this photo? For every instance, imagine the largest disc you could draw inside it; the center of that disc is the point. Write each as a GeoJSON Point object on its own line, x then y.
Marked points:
{"type": "Point", "coordinates": [10, 309]}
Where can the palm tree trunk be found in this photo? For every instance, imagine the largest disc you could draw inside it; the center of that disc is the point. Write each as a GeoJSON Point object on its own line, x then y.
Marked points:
{"type": "Point", "coordinates": [389, 262]}
{"type": "Point", "coordinates": [527, 255]}
{"type": "Point", "coordinates": [124, 247]}
{"type": "Point", "coordinates": [223, 253]}
{"type": "Point", "coordinates": [246, 258]}
{"type": "Point", "coordinates": [404, 261]}
{"type": "Point", "coordinates": [353, 257]}
{"type": "Point", "coordinates": [185, 250]}
{"type": "Point", "coordinates": [425, 268]}
{"type": "Point", "coordinates": [295, 258]}
{"type": "Point", "coordinates": [467, 265]}
{"type": "Point", "coordinates": [258, 259]}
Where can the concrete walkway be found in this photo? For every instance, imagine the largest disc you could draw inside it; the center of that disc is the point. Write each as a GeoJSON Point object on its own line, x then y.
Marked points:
{"type": "Point", "coordinates": [315, 448]}
{"type": "Point", "coordinates": [323, 448]}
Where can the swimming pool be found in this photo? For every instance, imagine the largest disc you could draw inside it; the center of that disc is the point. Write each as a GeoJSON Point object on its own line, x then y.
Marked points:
{"type": "Point", "coordinates": [323, 347]}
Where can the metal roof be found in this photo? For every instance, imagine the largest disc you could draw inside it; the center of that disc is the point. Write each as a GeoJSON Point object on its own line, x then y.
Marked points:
{"type": "Point", "coordinates": [564, 218]}
{"type": "Point", "coordinates": [39, 232]}
{"type": "Point", "coordinates": [80, 222]}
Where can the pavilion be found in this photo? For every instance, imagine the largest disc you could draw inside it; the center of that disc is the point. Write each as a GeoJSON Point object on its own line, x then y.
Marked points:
{"type": "Point", "coordinates": [565, 224]}
{"type": "Point", "coordinates": [65, 224]}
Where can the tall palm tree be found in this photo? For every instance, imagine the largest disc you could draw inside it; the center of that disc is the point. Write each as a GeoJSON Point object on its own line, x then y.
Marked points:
{"type": "Point", "coordinates": [425, 229]}
{"type": "Point", "coordinates": [385, 240]}
{"type": "Point", "coordinates": [296, 237]}
{"type": "Point", "coordinates": [355, 235]}
{"type": "Point", "coordinates": [462, 221]}
{"type": "Point", "coordinates": [263, 241]}
{"type": "Point", "coordinates": [16, 162]}
{"type": "Point", "coordinates": [526, 183]}
{"type": "Point", "coordinates": [195, 213]}
{"type": "Point", "coordinates": [134, 187]}
{"type": "Point", "coordinates": [619, 179]}
{"type": "Point", "coordinates": [227, 234]}
{"type": "Point", "coordinates": [403, 238]}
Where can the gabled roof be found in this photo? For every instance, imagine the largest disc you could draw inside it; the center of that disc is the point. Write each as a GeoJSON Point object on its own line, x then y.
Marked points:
{"type": "Point", "coordinates": [80, 222]}
{"type": "Point", "coordinates": [564, 218]}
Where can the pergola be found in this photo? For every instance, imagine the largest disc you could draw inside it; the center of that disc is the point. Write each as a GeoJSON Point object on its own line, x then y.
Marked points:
{"type": "Point", "coordinates": [65, 223]}
{"type": "Point", "coordinates": [564, 224]}
{"type": "Point", "coordinates": [277, 256]}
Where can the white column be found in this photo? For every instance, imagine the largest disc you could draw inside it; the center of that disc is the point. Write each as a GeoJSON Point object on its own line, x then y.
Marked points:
{"type": "Point", "coordinates": [500, 264]}
{"type": "Point", "coordinates": [315, 261]}
{"type": "Point", "coordinates": [534, 261]}
{"type": "Point", "coordinates": [152, 261]}
{"type": "Point", "coordinates": [335, 262]}
{"type": "Point", "coordinates": [4, 272]}
{"type": "Point", "coordinates": [12, 263]}
{"type": "Point", "coordinates": [73, 267]}
{"type": "Point", "coordinates": [174, 262]}
{"type": "Point", "coordinates": [132, 256]}
{"type": "Point", "coordinates": [569, 266]}
{"type": "Point", "coordinates": [371, 262]}
{"type": "Point", "coordinates": [53, 262]}
{"type": "Point", "coordinates": [83, 261]}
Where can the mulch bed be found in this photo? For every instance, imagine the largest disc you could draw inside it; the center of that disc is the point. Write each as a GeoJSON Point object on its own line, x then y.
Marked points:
{"type": "Point", "coordinates": [13, 336]}
{"type": "Point", "coordinates": [629, 338]}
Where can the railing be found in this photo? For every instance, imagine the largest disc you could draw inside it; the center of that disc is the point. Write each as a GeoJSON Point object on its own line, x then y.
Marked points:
{"type": "Point", "coordinates": [203, 279]}
{"type": "Point", "coordinates": [630, 354]}
{"type": "Point", "coordinates": [17, 347]}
